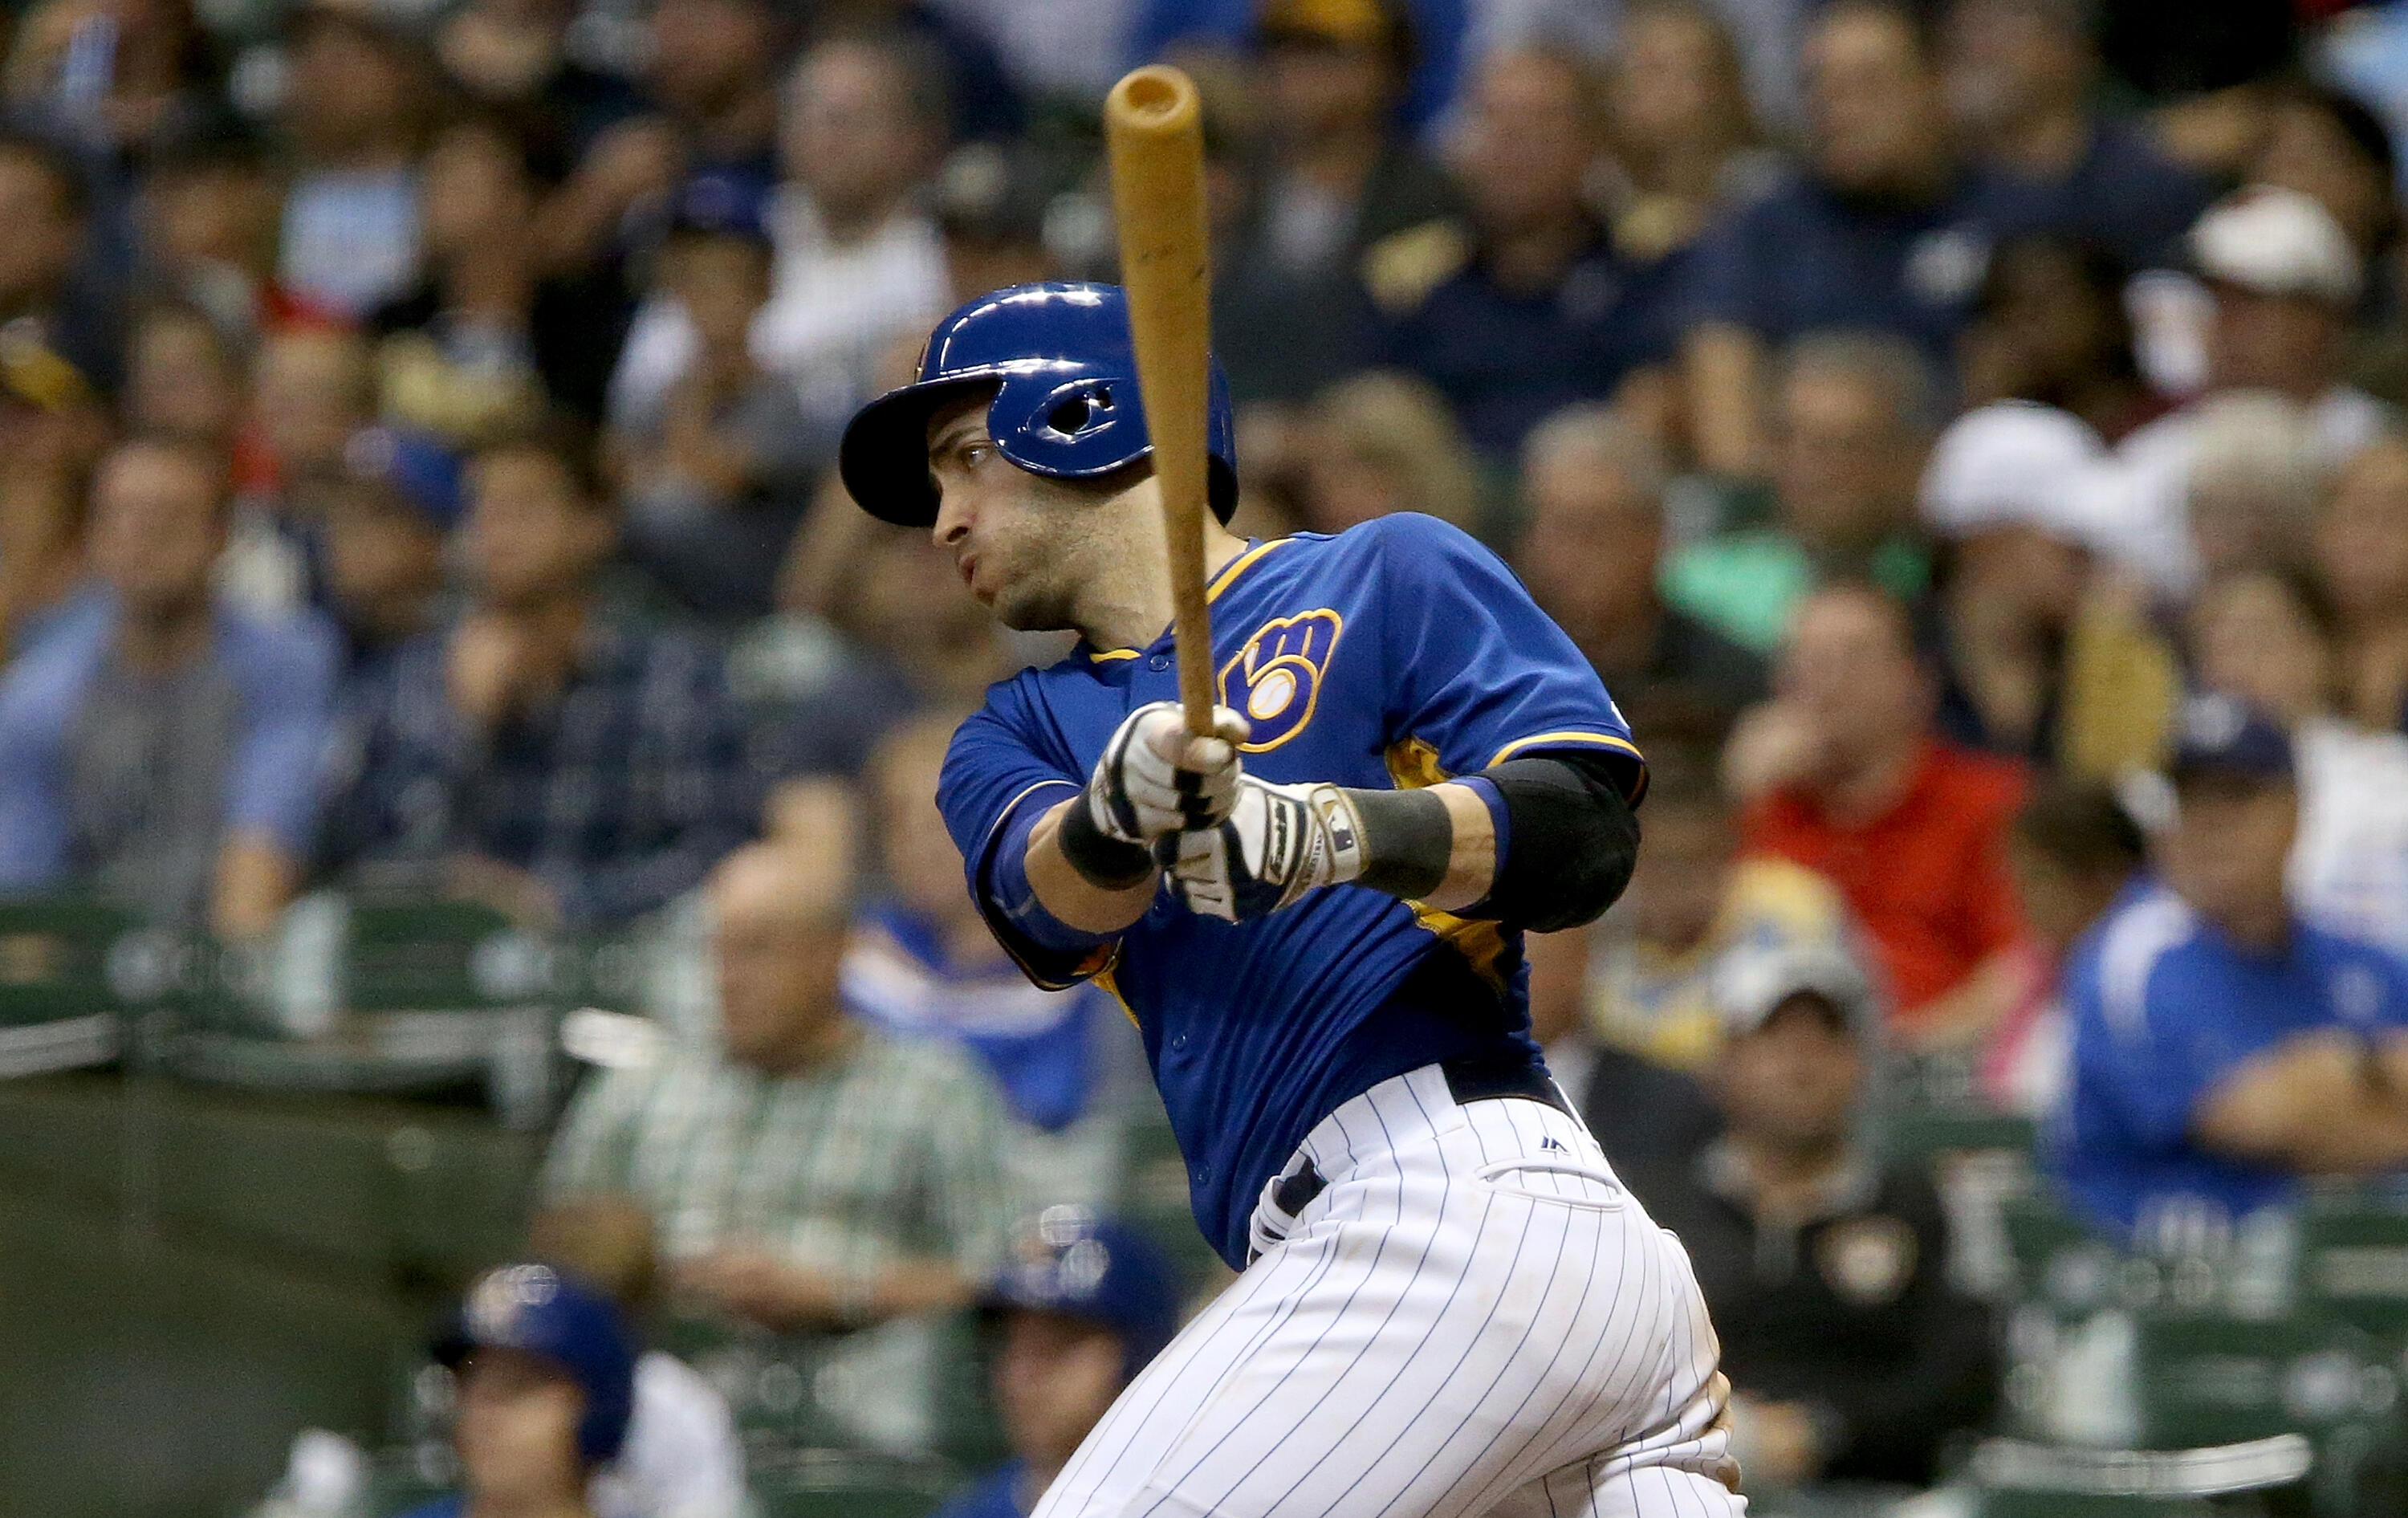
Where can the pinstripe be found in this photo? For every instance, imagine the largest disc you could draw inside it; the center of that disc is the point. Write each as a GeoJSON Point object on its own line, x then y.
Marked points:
{"type": "Point", "coordinates": [1182, 1443]}
{"type": "Point", "coordinates": [1445, 1198]}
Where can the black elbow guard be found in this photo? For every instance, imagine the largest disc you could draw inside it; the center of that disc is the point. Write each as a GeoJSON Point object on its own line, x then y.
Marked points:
{"type": "Point", "coordinates": [1570, 844]}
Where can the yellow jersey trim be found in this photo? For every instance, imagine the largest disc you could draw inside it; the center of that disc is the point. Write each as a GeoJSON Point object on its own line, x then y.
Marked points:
{"type": "Point", "coordinates": [1237, 565]}
{"type": "Point", "coordinates": [1602, 739]}
{"type": "Point", "coordinates": [1106, 655]}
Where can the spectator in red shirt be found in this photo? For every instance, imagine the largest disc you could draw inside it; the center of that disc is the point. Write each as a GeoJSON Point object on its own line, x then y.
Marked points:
{"type": "Point", "coordinates": [1843, 773]}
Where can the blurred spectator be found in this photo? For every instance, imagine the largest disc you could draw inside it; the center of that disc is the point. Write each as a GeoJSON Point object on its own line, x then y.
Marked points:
{"type": "Point", "coordinates": [1166, 27]}
{"type": "Point", "coordinates": [2049, 326]}
{"type": "Point", "coordinates": [114, 75]}
{"type": "Point", "coordinates": [909, 637]}
{"type": "Point", "coordinates": [682, 1458]}
{"type": "Point", "coordinates": [1843, 776]}
{"type": "Point", "coordinates": [2257, 481]}
{"type": "Point", "coordinates": [382, 529]}
{"type": "Point", "coordinates": [2020, 75]}
{"type": "Point", "coordinates": [311, 389]}
{"type": "Point", "coordinates": [2325, 144]}
{"type": "Point", "coordinates": [355, 110]}
{"type": "Point", "coordinates": [544, 1375]}
{"type": "Point", "coordinates": [858, 261]}
{"type": "Point", "coordinates": [2019, 494]}
{"type": "Point", "coordinates": [1851, 1357]}
{"type": "Point", "coordinates": [2284, 280]}
{"type": "Point", "coordinates": [483, 342]}
{"type": "Point", "coordinates": [161, 753]}
{"type": "Point", "coordinates": [1592, 546]}
{"type": "Point", "coordinates": [1335, 175]}
{"type": "Point", "coordinates": [2271, 638]}
{"type": "Point", "coordinates": [578, 768]}
{"type": "Point", "coordinates": [1381, 442]}
{"type": "Point", "coordinates": [2360, 551]}
{"type": "Point", "coordinates": [2222, 1045]}
{"type": "Point", "coordinates": [209, 215]}
{"type": "Point", "coordinates": [1883, 230]}
{"type": "Point", "coordinates": [1082, 1308]}
{"type": "Point", "coordinates": [1853, 419]}
{"type": "Point", "coordinates": [2074, 851]}
{"type": "Point", "coordinates": [1063, 53]}
{"type": "Point", "coordinates": [1642, 980]}
{"type": "Point", "coordinates": [183, 379]}
{"type": "Point", "coordinates": [813, 1174]}
{"type": "Point", "coordinates": [1685, 143]}
{"type": "Point", "coordinates": [923, 964]}
{"type": "Point", "coordinates": [52, 429]}
{"type": "Point", "coordinates": [513, 56]}
{"type": "Point", "coordinates": [717, 469]}
{"type": "Point", "coordinates": [47, 279]}
{"type": "Point", "coordinates": [1528, 305]}
{"type": "Point", "coordinates": [990, 202]}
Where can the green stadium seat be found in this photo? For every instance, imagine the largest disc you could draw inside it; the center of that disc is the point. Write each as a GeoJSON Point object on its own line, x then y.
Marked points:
{"type": "Point", "coordinates": [71, 972]}
{"type": "Point", "coordinates": [831, 1484]}
{"type": "Point", "coordinates": [2354, 1262]}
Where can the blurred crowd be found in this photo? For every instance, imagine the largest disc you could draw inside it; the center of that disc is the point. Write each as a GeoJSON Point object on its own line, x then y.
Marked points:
{"type": "Point", "coordinates": [1965, 436]}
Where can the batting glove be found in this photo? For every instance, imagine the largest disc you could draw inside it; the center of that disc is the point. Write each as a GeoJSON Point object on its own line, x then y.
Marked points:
{"type": "Point", "coordinates": [1155, 779]}
{"type": "Point", "coordinates": [1279, 841]}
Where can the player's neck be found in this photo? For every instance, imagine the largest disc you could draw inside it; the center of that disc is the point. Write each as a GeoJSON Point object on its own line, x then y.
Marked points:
{"type": "Point", "coordinates": [1129, 605]}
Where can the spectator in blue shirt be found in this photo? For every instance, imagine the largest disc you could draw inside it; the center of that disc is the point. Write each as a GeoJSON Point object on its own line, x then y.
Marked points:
{"type": "Point", "coordinates": [566, 765]}
{"type": "Point", "coordinates": [1528, 306]}
{"type": "Point", "coordinates": [162, 750]}
{"type": "Point", "coordinates": [1083, 1306]}
{"type": "Point", "coordinates": [1883, 229]}
{"type": "Point", "coordinates": [2020, 74]}
{"type": "Point", "coordinates": [2223, 1047]}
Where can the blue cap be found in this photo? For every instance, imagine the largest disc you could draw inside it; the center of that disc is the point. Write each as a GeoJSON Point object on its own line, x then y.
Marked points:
{"type": "Point", "coordinates": [1064, 370]}
{"type": "Point", "coordinates": [1068, 1260]}
{"type": "Point", "coordinates": [724, 204]}
{"type": "Point", "coordinates": [537, 1310]}
{"type": "Point", "coordinates": [2223, 735]}
{"type": "Point", "coordinates": [417, 468]}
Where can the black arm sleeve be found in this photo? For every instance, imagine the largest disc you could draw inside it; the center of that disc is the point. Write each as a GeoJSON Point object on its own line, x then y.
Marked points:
{"type": "Point", "coordinates": [1570, 844]}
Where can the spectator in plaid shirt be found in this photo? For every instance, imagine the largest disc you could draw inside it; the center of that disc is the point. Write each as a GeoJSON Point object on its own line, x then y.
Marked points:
{"type": "Point", "coordinates": [562, 763]}
{"type": "Point", "coordinates": [812, 1175]}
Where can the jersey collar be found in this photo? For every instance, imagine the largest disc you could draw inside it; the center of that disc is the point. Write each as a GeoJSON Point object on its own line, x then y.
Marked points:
{"type": "Point", "coordinates": [1255, 550]}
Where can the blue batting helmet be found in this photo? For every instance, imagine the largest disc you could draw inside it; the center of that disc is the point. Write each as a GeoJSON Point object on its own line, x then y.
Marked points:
{"type": "Point", "coordinates": [1068, 1260]}
{"type": "Point", "coordinates": [1066, 399]}
{"type": "Point", "coordinates": [535, 1310]}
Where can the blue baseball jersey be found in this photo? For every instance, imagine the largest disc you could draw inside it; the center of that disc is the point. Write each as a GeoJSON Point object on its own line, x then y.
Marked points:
{"type": "Point", "coordinates": [2164, 1009]}
{"type": "Point", "coordinates": [1395, 653]}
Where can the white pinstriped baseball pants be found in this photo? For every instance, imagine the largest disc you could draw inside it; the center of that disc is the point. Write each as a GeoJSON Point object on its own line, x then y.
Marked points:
{"type": "Point", "coordinates": [1473, 1318]}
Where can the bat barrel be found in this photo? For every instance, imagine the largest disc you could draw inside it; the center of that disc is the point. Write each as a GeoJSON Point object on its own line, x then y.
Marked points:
{"type": "Point", "coordinates": [1154, 127]}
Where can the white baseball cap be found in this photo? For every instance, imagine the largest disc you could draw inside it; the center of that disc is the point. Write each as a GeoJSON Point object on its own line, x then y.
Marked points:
{"type": "Point", "coordinates": [1751, 981]}
{"type": "Point", "coordinates": [2277, 242]}
{"type": "Point", "coordinates": [2017, 463]}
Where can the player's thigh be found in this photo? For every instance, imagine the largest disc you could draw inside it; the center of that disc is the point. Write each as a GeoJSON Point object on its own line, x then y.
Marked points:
{"type": "Point", "coordinates": [1594, 1489]}
{"type": "Point", "coordinates": [1420, 1367]}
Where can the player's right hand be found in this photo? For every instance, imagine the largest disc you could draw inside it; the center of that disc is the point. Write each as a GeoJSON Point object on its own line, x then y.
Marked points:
{"type": "Point", "coordinates": [1155, 778]}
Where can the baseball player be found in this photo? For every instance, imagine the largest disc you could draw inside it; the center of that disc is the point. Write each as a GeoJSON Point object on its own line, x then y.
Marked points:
{"type": "Point", "coordinates": [1448, 1305]}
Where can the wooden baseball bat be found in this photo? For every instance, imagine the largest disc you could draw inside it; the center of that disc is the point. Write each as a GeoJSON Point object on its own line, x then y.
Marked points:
{"type": "Point", "coordinates": [1154, 125]}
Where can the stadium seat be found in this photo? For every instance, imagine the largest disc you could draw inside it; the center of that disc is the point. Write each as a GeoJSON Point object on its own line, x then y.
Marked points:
{"type": "Point", "coordinates": [71, 971]}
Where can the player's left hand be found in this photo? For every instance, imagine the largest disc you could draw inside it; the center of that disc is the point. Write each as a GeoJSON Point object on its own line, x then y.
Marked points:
{"type": "Point", "coordinates": [1278, 842]}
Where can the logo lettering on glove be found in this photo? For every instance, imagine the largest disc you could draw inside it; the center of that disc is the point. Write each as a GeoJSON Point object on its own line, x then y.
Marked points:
{"type": "Point", "coordinates": [1275, 680]}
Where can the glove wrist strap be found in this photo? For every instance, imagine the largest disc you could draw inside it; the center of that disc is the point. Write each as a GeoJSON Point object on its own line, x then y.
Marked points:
{"type": "Point", "coordinates": [1103, 861]}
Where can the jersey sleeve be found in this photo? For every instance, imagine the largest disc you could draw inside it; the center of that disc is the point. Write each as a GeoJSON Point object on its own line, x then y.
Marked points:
{"type": "Point", "coordinates": [1476, 673]}
{"type": "Point", "coordinates": [997, 778]}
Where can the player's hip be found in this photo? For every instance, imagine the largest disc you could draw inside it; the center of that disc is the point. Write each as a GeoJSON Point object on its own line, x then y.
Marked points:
{"type": "Point", "coordinates": [1436, 1147]}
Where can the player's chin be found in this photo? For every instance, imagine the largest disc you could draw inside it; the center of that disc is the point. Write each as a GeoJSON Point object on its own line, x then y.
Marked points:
{"type": "Point", "coordinates": [1028, 609]}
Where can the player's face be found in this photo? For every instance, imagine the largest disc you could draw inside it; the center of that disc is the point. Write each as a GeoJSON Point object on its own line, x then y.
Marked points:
{"type": "Point", "coordinates": [1054, 1380]}
{"type": "Point", "coordinates": [517, 1430]}
{"type": "Point", "coordinates": [1019, 540]}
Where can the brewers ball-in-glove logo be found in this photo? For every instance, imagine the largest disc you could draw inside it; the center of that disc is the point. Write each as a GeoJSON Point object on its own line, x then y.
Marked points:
{"type": "Point", "coordinates": [1276, 678]}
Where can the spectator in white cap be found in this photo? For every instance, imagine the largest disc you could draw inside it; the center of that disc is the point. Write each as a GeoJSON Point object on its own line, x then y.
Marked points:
{"type": "Point", "coordinates": [2284, 278]}
{"type": "Point", "coordinates": [2023, 496]}
{"type": "Point", "coordinates": [1850, 1356]}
